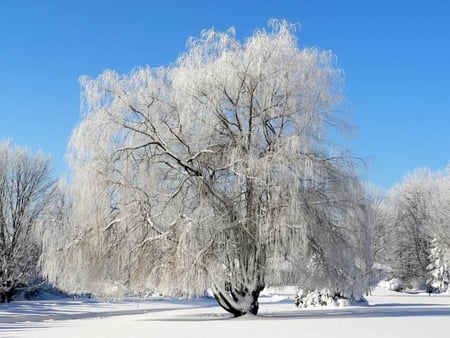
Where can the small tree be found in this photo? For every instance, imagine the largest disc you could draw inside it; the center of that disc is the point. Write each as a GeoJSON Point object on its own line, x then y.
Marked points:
{"type": "Point", "coordinates": [439, 272]}
{"type": "Point", "coordinates": [25, 186]}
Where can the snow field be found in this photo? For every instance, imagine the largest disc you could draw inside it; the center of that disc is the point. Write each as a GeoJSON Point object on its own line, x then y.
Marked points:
{"type": "Point", "coordinates": [389, 314]}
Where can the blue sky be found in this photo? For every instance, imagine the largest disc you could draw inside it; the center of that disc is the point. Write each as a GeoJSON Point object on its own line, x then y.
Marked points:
{"type": "Point", "coordinates": [395, 55]}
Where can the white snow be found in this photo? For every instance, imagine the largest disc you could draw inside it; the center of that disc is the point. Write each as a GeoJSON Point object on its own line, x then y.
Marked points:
{"type": "Point", "coordinates": [389, 314]}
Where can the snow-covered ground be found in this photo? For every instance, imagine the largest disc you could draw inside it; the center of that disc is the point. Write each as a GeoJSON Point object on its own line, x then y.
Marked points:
{"type": "Point", "coordinates": [389, 314]}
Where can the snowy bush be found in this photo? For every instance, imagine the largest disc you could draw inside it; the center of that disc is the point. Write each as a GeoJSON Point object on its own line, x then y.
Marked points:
{"type": "Point", "coordinates": [324, 297]}
{"type": "Point", "coordinates": [39, 291]}
{"type": "Point", "coordinates": [394, 284]}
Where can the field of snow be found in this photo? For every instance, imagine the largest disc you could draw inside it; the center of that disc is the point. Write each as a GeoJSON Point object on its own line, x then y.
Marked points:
{"type": "Point", "coordinates": [389, 314]}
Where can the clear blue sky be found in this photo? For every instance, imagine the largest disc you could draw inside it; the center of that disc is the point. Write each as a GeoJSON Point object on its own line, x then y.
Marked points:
{"type": "Point", "coordinates": [395, 54]}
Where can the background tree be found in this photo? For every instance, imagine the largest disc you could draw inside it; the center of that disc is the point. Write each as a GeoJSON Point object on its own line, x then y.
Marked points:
{"type": "Point", "coordinates": [218, 172]}
{"type": "Point", "coordinates": [412, 207]}
{"type": "Point", "coordinates": [57, 261]}
{"type": "Point", "coordinates": [25, 187]}
{"type": "Point", "coordinates": [439, 272]}
{"type": "Point", "coordinates": [382, 235]}
{"type": "Point", "coordinates": [440, 200]}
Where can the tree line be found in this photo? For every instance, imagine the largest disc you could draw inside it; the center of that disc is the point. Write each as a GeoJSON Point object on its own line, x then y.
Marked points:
{"type": "Point", "coordinates": [216, 173]}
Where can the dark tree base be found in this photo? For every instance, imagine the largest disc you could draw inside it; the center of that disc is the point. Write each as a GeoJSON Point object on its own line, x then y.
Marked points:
{"type": "Point", "coordinates": [6, 297]}
{"type": "Point", "coordinates": [239, 302]}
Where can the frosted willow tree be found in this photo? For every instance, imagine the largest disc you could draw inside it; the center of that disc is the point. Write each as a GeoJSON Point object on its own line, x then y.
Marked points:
{"type": "Point", "coordinates": [25, 188]}
{"type": "Point", "coordinates": [217, 171]}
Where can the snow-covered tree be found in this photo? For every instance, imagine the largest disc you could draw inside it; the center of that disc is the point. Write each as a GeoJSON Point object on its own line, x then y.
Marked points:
{"type": "Point", "coordinates": [441, 212]}
{"type": "Point", "coordinates": [410, 209]}
{"type": "Point", "coordinates": [382, 234]}
{"type": "Point", "coordinates": [439, 269]}
{"type": "Point", "coordinates": [217, 172]}
{"type": "Point", "coordinates": [413, 213]}
{"type": "Point", "coordinates": [25, 187]}
{"type": "Point", "coordinates": [57, 261]}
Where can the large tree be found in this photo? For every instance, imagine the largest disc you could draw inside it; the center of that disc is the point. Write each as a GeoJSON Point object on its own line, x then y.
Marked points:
{"type": "Point", "coordinates": [218, 171]}
{"type": "Point", "coordinates": [25, 187]}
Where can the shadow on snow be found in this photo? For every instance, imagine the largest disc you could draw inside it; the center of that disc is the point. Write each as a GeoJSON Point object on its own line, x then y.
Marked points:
{"type": "Point", "coordinates": [22, 315]}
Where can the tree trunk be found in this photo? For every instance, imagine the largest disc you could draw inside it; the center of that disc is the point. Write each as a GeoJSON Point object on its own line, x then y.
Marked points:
{"type": "Point", "coordinates": [6, 291]}
{"type": "Point", "coordinates": [239, 302]}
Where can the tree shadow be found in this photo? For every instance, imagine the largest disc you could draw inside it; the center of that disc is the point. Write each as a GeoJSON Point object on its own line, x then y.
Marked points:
{"type": "Point", "coordinates": [67, 308]}
{"type": "Point", "coordinates": [373, 311]}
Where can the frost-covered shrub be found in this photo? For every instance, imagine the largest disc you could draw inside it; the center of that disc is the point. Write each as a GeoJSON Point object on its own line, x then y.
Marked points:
{"type": "Point", "coordinates": [324, 297]}
{"type": "Point", "coordinates": [40, 291]}
{"type": "Point", "coordinates": [394, 284]}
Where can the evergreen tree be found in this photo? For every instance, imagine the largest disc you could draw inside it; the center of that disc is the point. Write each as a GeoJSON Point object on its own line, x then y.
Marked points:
{"type": "Point", "coordinates": [438, 268]}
